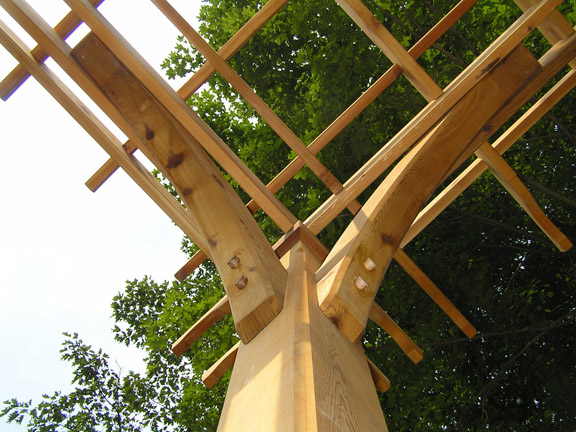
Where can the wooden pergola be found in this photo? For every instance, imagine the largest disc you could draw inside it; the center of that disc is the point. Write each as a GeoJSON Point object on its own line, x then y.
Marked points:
{"type": "Point", "coordinates": [299, 308]}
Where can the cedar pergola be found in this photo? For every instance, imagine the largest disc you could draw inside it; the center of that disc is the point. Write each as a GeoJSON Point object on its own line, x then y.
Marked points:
{"type": "Point", "coordinates": [299, 308]}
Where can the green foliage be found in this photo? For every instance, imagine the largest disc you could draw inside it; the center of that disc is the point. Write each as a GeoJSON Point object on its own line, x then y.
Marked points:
{"type": "Point", "coordinates": [309, 63]}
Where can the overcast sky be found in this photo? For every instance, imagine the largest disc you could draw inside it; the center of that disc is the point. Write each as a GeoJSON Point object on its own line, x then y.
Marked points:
{"type": "Point", "coordinates": [65, 251]}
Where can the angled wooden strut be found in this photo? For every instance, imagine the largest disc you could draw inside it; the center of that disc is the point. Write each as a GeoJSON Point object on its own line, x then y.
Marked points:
{"type": "Point", "coordinates": [378, 229]}
{"type": "Point", "coordinates": [251, 272]}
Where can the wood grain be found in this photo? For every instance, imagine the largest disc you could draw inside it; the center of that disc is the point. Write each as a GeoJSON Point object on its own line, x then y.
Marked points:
{"type": "Point", "coordinates": [379, 227]}
{"type": "Point", "coordinates": [226, 224]}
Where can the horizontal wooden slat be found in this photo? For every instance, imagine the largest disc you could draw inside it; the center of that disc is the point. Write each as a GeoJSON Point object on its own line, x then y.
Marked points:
{"type": "Point", "coordinates": [106, 170]}
{"type": "Point", "coordinates": [192, 264]}
{"type": "Point", "coordinates": [211, 377]}
{"type": "Point", "coordinates": [19, 75]}
{"type": "Point", "coordinates": [380, 317]}
{"type": "Point", "coordinates": [215, 314]}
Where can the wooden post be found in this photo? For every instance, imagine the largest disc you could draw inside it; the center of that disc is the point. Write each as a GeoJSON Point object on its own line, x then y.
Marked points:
{"type": "Point", "coordinates": [301, 373]}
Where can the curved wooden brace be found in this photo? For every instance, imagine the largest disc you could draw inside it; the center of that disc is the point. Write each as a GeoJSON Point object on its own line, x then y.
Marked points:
{"type": "Point", "coordinates": [346, 285]}
{"type": "Point", "coordinates": [251, 272]}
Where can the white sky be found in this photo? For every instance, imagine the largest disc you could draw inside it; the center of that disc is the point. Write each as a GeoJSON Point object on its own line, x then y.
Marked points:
{"type": "Point", "coordinates": [65, 251]}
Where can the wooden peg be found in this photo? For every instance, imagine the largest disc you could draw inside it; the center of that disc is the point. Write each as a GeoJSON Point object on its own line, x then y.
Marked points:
{"type": "Point", "coordinates": [241, 282]}
{"type": "Point", "coordinates": [361, 284]}
{"type": "Point", "coordinates": [234, 262]}
{"type": "Point", "coordinates": [369, 264]}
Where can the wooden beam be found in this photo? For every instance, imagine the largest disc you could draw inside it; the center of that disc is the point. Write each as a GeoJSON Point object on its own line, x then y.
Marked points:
{"type": "Point", "coordinates": [242, 36]}
{"type": "Point", "coordinates": [431, 114]}
{"type": "Point", "coordinates": [256, 284]}
{"type": "Point", "coordinates": [380, 317]}
{"type": "Point", "coordinates": [390, 47]}
{"type": "Point", "coordinates": [215, 314]}
{"type": "Point", "coordinates": [508, 178]}
{"type": "Point", "coordinates": [19, 74]}
{"type": "Point", "coordinates": [211, 377]}
{"type": "Point", "coordinates": [98, 131]}
{"type": "Point", "coordinates": [381, 381]}
{"type": "Point", "coordinates": [322, 380]}
{"type": "Point", "coordinates": [503, 143]}
{"type": "Point", "coordinates": [177, 108]}
{"type": "Point", "coordinates": [434, 292]}
{"type": "Point", "coordinates": [379, 227]}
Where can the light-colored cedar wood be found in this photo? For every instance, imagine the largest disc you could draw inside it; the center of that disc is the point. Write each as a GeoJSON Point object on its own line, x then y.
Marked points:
{"type": "Point", "coordinates": [554, 28]}
{"type": "Point", "coordinates": [390, 47]}
{"type": "Point", "coordinates": [379, 227]}
{"type": "Point", "coordinates": [298, 233]}
{"type": "Point", "coordinates": [218, 369]}
{"type": "Point", "coordinates": [269, 116]}
{"type": "Point", "coordinates": [227, 225]}
{"type": "Point", "coordinates": [19, 74]}
{"type": "Point", "coordinates": [322, 381]}
{"type": "Point", "coordinates": [303, 234]}
{"type": "Point", "coordinates": [215, 314]}
{"type": "Point", "coordinates": [192, 264]}
{"type": "Point", "coordinates": [435, 294]}
{"type": "Point", "coordinates": [381, 381]}
{"type": "Point", "coordinates": [177, 108]}
{"type": "Point", "coordinates": [206, 70]}
{"type": "Point", "coordinates": [107, 169]}
{"type": "Point", "coordinates": [367, 98]}
{"type": "Point", "coordinates": [432, 113]}
{"type": "Point", "coordinates": [222, 308]}
{"type": "Point", "coordinates": [380, 317]}
{"type": "Point", "coordinates": [503, 143]}
{"type": "Point", "coordinates": [258, 20]}
{"type": "Point", "coordinates": [82, 114]}
{"type": "Point", "coordinates": [348, 115]}
{"type": "Point", "coordinates": [507, 176]}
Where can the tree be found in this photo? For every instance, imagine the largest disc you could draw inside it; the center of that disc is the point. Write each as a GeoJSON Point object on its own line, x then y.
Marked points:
{"type": "Point", "coordinates": [309, 63]}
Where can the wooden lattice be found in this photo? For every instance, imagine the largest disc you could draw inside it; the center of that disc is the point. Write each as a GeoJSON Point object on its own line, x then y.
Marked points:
{"type": "Point", "coordinates": [318, 299]}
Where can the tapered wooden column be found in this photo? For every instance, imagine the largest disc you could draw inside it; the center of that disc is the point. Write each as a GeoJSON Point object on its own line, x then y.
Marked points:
{"type": "Point", "coordinates": [301, 373]}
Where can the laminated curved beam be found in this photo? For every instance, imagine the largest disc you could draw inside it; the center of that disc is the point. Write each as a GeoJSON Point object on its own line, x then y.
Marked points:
{"type": "Point", "coordinates": [346, 284]}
